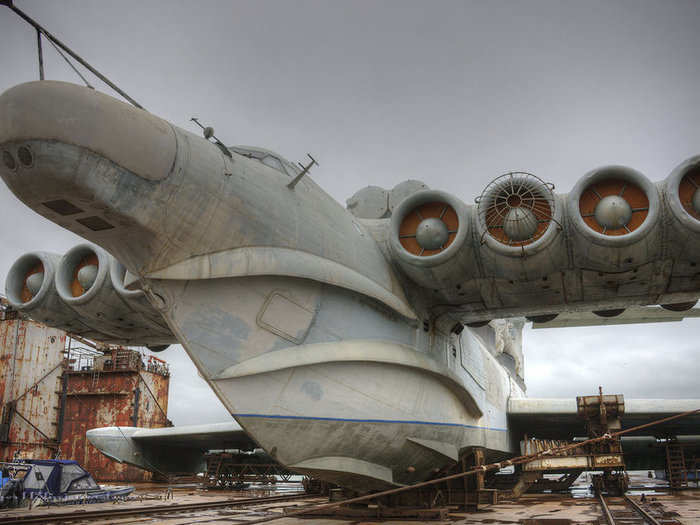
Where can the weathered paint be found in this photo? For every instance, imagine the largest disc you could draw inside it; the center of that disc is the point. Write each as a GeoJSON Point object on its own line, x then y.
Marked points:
{"type": "Point", "coordinates": [225, 250]}
{"type": "Point", "coordinates": [100, 396]}
{"type": "Point", "coordinates": [28, 352]}
{"type": "Point", "coordinates": [104, 396]}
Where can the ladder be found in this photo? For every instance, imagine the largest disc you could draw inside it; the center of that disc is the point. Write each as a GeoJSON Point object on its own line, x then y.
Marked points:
{"type": "Point", "coordinates": [675, 466]}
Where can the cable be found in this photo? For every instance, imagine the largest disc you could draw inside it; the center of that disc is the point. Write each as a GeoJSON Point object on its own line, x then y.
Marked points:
{"type": "Point", "coordinates": [70, 63]}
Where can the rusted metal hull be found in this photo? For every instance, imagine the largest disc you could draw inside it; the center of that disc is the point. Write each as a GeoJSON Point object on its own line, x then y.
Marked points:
{"type": "Point", "coordinates": [31, 357]}
{"type": "Point", "coordinates": [111, 397]}
{"type": "Point", "coordinates": [49, 399]}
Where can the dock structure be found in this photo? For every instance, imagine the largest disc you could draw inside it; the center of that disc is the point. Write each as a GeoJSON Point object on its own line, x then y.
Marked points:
{"type": "Point", "coordinates": [53, 388]}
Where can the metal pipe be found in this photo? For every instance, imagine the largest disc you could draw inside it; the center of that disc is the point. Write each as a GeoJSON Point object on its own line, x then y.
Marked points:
{"type": "Point", "coordinates": [75, 56]}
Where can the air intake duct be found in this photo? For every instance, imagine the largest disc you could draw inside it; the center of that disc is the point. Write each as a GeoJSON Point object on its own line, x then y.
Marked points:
{"type": "Point", "coordinates": [90, 282]}
{"type": "Point", "coordinates": [614, 212]}
{"type": "Point", "coordinates": [430, 239]}
{"type": "Point", "coordinates": [30, 290]}
{"type": "Point", "coordinates": [519, 223]}
{"type": "Point", "coordinates": [682, 195]}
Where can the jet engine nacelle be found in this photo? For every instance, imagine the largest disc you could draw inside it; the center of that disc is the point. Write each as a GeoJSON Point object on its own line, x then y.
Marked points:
{"type": "Point", "coordinates": [430, 238]}
{"type": "Point", "coordinates": [91, 282]}
{"type": "Point", "coordinates": [520, 240]}
{"type": "Point", "coordinates": [682, 198]}
{"type": "Point", "coordinates": [518, 220]}
{"type": "Point", "coordinates": [30, 290]}
{"type": "Point", "coordinates": [614, 214]}
{"type": "Point", "coordinates": [525, 249]}
{"type": "Point", "coordinates": [83, 293]}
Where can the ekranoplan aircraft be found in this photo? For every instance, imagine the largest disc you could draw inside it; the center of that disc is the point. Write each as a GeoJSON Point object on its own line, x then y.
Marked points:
{"type": "Point", "coordinates": [353, 345]}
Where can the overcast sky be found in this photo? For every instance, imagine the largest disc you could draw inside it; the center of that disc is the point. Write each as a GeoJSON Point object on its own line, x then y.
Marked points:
{"type": "Point", "coordinates": [451, 93]}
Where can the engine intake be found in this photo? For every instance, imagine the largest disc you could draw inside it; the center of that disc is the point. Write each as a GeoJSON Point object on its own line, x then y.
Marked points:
{"type": "Point", "coordinates": [429, 237]}
{"type": "Point", "coordinates": [30, 279]}
{"type": "Point", "coordinates": [517, 214]}
{"type": "Point", "coordinates": [613, 210]}
{"type": "Point", "coordinates": [683, 193]}
{"type": "Point", "coordinates": [91, 282]}
{"type": "Point", "coordinates": [30, 289]}
{"type": "Point", "coordinates": [428, 228]}
{"type": "Point", "coordinates": [614, 205]}
{"type": "Point", "coordinates": [82, 272]}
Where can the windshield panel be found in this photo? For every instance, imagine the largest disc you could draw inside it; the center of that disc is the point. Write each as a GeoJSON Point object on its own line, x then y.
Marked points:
{"type": "Point", "coordinates": [268, 158]}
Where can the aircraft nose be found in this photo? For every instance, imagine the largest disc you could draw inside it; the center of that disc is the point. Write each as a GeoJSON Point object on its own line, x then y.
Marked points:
{"type": "Point", "coordinates": [36, 115]}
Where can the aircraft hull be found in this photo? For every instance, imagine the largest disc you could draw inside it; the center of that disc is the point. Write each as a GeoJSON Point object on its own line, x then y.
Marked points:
{"type": "Point", "coordinates": [362, 425]}
{"type": "Point", "coordinates": [364, 399]}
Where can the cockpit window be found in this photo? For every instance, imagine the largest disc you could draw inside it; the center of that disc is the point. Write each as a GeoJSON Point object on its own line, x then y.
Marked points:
{"type": "Point", "coordinates": [291, 169]}
{"type": "Point", "coordinates": [268, 158]}
{"type": "Point", "coordinates": [273, 162]}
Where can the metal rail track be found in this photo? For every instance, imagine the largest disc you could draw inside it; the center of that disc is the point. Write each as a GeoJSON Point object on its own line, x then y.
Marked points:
{"type": "Point", "coordinates": [64, 517]}
{"type": "Point", "coordinates": [631, 514]}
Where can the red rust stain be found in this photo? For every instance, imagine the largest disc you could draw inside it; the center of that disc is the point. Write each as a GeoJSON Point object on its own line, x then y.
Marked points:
{"type": "Point", "coordinates": [94, 399]}
{"type": "Point", "coordinates": [28, 352]}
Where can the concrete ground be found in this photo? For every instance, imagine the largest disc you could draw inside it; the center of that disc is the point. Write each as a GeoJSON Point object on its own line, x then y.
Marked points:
{"type": "Point", "coordinates": [535, 509]}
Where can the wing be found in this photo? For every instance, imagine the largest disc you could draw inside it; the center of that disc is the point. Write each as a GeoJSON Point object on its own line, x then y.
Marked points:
{"type": "Point", "coordinates": [645, 449]}
{"type": "Point", "coordinates": [633, 315]}
{"type": "Point", "coordinates": [558, 418]}
{"type": "Point", "coordinates": [168, 450]}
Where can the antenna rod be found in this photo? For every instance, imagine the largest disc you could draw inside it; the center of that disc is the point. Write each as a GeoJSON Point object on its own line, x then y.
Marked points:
{"type": "Point", "coordinates": [41, 55]}
{"type": "Point", "coordinates": [209, 133]}
{"type": "Point", "coordinates": [60, 44]}
{"type": "Point", "coordinates": [304, 171]}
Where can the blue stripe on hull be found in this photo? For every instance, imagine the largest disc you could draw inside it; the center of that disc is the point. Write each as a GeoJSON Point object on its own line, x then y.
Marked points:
{"type": "Point", "coordinates": [277, 416]}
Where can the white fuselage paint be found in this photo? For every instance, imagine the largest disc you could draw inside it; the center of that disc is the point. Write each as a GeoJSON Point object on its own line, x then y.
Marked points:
{"type": "Point", "coordinates": [339, 357]}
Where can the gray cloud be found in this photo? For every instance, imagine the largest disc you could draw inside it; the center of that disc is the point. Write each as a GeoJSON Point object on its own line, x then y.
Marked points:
{"type": "Point", "coordinates": [452, 93]}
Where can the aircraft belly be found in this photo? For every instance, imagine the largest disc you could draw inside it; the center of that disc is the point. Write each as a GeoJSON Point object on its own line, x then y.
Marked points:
{"type": "Point", "coordinates": [376, 413]}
